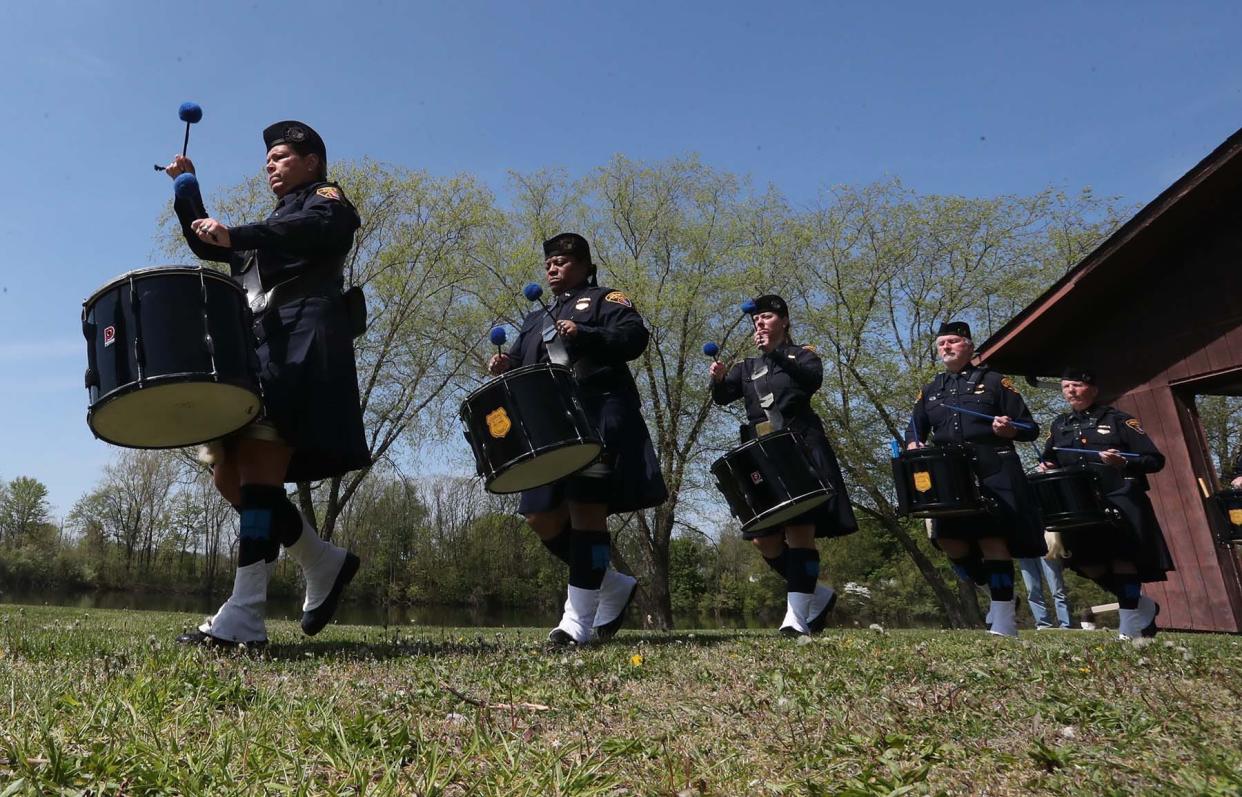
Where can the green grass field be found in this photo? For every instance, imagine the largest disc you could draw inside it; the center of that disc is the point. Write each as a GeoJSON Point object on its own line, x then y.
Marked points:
{"type": "Point", "coordinates": [103, 703]}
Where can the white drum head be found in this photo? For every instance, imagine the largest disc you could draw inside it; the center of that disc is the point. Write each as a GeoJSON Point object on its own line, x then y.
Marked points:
{"type": "Point", "coordinates": [174, 415]}
{"type": "Point", "coordinates": [545, 468]}
{"type": "Point", "coordinates": [778, 515]}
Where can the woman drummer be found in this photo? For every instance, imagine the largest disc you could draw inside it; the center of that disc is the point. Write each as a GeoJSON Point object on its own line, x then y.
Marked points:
{"type": "Point", "coordinates": [596, 331]}
{"type": "Point", "coordinates": [292, 267]}
{"type": "Point", "coordinates": [776, 387]}
{"type": "Point", "coordinates": [1124, 555]}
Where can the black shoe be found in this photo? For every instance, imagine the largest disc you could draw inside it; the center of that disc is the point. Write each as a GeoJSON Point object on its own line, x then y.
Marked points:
{"type": "Point", "coordinates": [203, 639]}
{"type": "Point", "coordinates": [559, 639]}
{"type": "Point", "coordinates": [609, 630]}
{"type": "Point", "coordinates": [313, 621]}
{"type": "Point", "coordinates": [1151, 630]}
{"type": "Point", "coordinates": [819, 621]}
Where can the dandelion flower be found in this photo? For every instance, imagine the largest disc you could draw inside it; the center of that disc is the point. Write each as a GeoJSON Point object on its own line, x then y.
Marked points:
{"type": "Point", "coordinates": [636, 660]}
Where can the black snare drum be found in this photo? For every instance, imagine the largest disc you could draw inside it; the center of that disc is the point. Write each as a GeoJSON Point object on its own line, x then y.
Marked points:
{"type": "Point", "coordinates": [170, 358]}
{"type": "Point", "coordinates": [769, 481]}
{"type": "Point", "coordinates": [937, 481]}
{"type": "Point", "coordinates": [527, 428]}
{"type": "Point", "coordinates": [1070, 497]}
{"type": "Point", "coordinates": [1229, 502]}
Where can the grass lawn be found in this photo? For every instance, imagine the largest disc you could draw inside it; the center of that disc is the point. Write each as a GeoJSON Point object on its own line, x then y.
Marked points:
{"type": "Point", "coordinates": [103, 702]}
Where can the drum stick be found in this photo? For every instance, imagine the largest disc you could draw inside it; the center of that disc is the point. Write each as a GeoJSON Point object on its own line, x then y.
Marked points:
{"type": "Point", "coordinates": [1126, 454]}
{"type": "Point", "coordinates": [190, 113]}
{"type": "Point", "coordinates": [1018, 424]}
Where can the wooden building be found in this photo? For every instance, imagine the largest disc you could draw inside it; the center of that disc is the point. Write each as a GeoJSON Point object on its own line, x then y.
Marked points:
{"type": "Point", "coordinates": [1156, 311]}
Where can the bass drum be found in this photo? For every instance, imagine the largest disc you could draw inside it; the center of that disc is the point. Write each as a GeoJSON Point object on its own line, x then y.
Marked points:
{"type": "Point", "coordinates": [170, 358]}
{"type": "Point", "coordinates": [770, 480]}
{"type": "Point", "coordinates": [1069, 498]}
{"type": "Point", "coordinates": [527, 428]}
{"type": "Point", "coordinates": [937, 482]}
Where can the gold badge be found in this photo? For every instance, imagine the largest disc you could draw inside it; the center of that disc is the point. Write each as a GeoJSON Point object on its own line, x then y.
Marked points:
{"type": "Point", "coordinates": [617, 297]}
{"type": "Point", "coordinates": [1007, 383]}
{"type": "Point", "coordinates": [498, 423]}
{"type": "Point", "coordinates": [329, 192]}
{"type": "Point", "coordinates": [922, 481]}
{"type": "Point", "coordinates": [1133, 423]}
{"type": "Point", "coordinates": [1235, 517]}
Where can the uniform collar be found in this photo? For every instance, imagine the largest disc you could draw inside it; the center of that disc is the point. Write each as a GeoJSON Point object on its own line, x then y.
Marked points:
{"type": "Point", "coordinates": [297, 193]}
{"type": "Point", "coordinates": [1086, 415]}
{"type": "Point", "coordinates": [572, 293]}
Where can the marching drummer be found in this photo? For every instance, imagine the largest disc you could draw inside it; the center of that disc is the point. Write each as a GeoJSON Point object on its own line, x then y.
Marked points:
{"type": "Point", "coordinates": [596, 331]}
{"type": "Point", "coordinates": [1120, 556]}
{"type": "Point", "coordinates": [970, 404]}
{"type": "Point", "coordinates": [291, 265]}
{"type": "Point", "coordinates": [776, 387]}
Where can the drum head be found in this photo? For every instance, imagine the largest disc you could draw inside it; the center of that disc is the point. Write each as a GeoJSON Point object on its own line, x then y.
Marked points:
{"type": "Point", "coordinates": [783, 513]}
{"type": "Point", "coordinates": [173, 415]}
{"type": "Point", "coordinates": [544, 468]}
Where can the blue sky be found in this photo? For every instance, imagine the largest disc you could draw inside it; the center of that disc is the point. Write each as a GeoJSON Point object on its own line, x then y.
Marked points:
{"type": "Point", "coordinates": [974, 99]}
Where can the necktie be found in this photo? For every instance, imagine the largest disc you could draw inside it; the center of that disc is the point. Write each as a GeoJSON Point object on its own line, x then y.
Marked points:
{"type": "Point", "coordinates": [553, 342]}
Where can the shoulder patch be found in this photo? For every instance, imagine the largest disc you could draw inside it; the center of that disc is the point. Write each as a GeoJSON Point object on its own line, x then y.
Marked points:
{"type": "Point", "coordinates": [617, 297]}
{"type": "Point", "coordinates": [1007, 383]}
{"type": "Point", "coordinates": [330, 192]}
{"type": "Point", "coordinates": [810, 347]}
{"type": "Point", "coordinates": [1134, 424]}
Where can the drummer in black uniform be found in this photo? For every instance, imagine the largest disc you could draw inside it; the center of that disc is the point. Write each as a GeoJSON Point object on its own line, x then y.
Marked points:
{"type": "Point", "coordinates": [982, 547]}
{"type": "Point", "coordinates": [776, 387]}
{"type": "Point", "coordinates": [596, 331]}
{"type": "Point", "coordinates": [1122, 556]}
{"type": "Point", "coordinates": [292, 267]}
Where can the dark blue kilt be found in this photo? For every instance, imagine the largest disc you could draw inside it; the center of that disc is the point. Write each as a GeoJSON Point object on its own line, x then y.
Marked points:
{"type": "Point", "coordinates": [1016, 515]}
{"type": "Point", "coordinates": [310, 387]}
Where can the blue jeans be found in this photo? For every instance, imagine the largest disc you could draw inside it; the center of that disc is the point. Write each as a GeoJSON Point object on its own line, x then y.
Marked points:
{"type": "Point", "coordinates": [1034, 573]}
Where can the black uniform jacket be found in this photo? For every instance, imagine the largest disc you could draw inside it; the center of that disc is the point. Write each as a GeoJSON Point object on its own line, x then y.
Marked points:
{"type": "Point", "coordinates": [610, 334]}
{"type": "Point", "coordinates": [791, 374]}
{"type": "Point", "coordinates": [304, 344]}
{"type": "Point", "coordinates": [997, 466]}
{"type": "Point", "coordinates": [1140, 539]}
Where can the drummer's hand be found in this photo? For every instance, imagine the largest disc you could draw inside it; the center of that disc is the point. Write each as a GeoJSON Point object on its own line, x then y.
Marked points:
{"type": "Point", "coordinates": [499, 364]}
{"type": "Point", "coordinates": [913, 444]}
{"type": "Point", "coordinates": [717, 370]}
{"type": "Point", "coordinates": [211, 231]}
{"type": "Point", "coordinates": [180, 165]}
{"type": "Point", "coordinates": [1044, 467]}
{"type": "Point", "coordinates": [567, 329]}
{"type": "Point", "coordinates": [1002, 427]}
{"type": "Point", "coordinates": [1112, 457]}
{"type": "Point", "coordinates": [763, 340]}
{"type": "Point", "coordinates": [1237, 482]}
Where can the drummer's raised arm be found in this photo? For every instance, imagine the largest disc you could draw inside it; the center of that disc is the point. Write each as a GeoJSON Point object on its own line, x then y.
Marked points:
{"type": "Point", "coordinates": [920, 422]}
{"type": "Point", "coordinates": [729, 388]}
{"type": "Point", "coordinates": [189, 209]}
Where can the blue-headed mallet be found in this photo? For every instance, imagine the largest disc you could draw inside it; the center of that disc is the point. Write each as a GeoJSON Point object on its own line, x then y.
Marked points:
{"type": "Point", "coordinates": [190, 113]}
{"type": "Point", "coordinates": [498, 336]}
